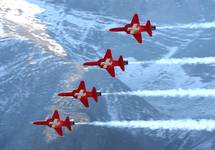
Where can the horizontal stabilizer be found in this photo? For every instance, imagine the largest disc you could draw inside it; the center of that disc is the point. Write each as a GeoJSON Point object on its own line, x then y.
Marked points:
{"type": "Point", "coordinates": [121, 63]}
{"type": "Point", "coordinates": [94, 93]}
{"type": "Point", "coordinates": [148, 28]}
{"type": "Point", "coordinates": [68, 124]}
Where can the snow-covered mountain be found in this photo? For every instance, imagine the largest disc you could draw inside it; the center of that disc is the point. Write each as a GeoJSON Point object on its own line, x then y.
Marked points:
{"type": "Point", "coordinates": [43, 43]}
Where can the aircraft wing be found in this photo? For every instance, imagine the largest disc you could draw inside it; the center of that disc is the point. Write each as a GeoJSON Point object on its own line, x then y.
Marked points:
{"type": "Point", "coordinates": [56, 115]}
{"type": "Point", "coordinates": [82, 86]}
{"type": "Point", "coordinates": [84, 101]}
{"type": "Point", "coordinates": [135, 20]}
{"type": "Point", "coordinates": [111, 71]}
{"type": "Point", "coordinates": [59, 131]}
{"type": "Point", "coordinates": [108, 54]}
{"type": "Point", "coordinates": [138, 37]}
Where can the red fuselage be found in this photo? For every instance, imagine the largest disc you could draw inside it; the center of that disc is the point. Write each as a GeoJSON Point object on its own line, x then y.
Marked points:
{"type": "Point", "coordinates": [135, 29]}
{"type": "Point", "coordinates": [108, 63]}
{"type": "Point", "coordinates": [52, 123]}
{"type": "Point", "coordinates": [77, 94]}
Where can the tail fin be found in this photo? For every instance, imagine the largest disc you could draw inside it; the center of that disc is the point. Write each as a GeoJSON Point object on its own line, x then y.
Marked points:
{"type": "Point", "coordinates": [148, 27]}
{"type": "Point", "coordinates": [94, 93]}
{"type": "Point", "coordinates": [121, 63]}
{"type": "Point", "coordinates": [68, 123]}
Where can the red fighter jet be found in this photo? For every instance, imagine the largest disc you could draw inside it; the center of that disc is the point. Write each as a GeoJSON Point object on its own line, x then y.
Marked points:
{"type": "Point", "coordinates": [109, 63]}
{"type": "Point", "coordinates": [82, 94]}
{"type": "Point", "coordinates": [56, 123]}
{"type": "Point", "coordinates": [135, 28]}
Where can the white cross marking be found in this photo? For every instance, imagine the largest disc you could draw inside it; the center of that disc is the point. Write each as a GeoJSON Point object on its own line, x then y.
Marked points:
{"type": "Point", "coordinates": [106, 63]}
{"type": "Point", "coordinates": [134, 28]}
{"type": "Point", "coordinates": [80, 94]}
{"type": "Point", "coordinates": [54, 123]}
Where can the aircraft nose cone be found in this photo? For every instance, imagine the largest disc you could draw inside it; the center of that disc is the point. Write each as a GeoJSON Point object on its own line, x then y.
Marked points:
{"type": "Point", "coordinates": [60, 94]}
{"type": "Point", "coordinates": [111, 29]}
{"type": "Point", "coordinates": [36, 123]}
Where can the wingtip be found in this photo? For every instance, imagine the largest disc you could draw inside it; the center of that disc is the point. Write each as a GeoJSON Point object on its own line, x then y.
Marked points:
{"type": "Point", "coordinates": [140, 42]}
{"type": "Point", "coordinates": [108, 50]}
{"type": "Point", "coordinates": [55, 112]}
{"type": "Point", "coordinates": [113, 76]}
{"type": "Point", "coordinates": [60, 136]}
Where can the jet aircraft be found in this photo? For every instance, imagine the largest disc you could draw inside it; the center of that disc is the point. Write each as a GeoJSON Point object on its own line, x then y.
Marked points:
{"type": "Point", "coordinates": [82, 94]}
{"type": "Point", "coordinates": [108, 63]}
{"type": "Point", "coordinates": [56, 123]}
{"type": "Point", "coordinates": [135, 28]}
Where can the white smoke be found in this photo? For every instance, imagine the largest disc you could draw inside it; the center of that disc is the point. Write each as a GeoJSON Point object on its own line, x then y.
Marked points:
{"type": "Point", "coordinates": [205, 25]}
{"type": "Point", "coordinates": [169, 93]}
{"type": "Point", "coordinates": [179, 61]}
{"type": "Point", "coordinates": [187, 124]}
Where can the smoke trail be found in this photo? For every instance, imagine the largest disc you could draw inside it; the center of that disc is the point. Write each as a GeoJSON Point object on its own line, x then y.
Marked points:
{"type": "Point", "coordinates": [179, 61]}
{"type": "Point", "coordinates": [169, 93]}
{"type": "Point", "coordinates": [205, 25]}
{"type": "Point", "coordinates": [82, 123]}
{"type": "Point", "coordinates": [187, 124]}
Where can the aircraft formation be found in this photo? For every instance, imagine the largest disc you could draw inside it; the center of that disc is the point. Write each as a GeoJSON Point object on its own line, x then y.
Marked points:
{"type": "Point", "coordinates": [108, 63]}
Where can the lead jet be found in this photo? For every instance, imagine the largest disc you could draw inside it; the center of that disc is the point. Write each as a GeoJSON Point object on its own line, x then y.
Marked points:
{"type": "Point", "coordinates": [56, 123]}
{"type": "Point", "coordinates": [108, 63]}
{"type": "Point", "coordinates": [135, 28]}
{"type": "Point", "coordinates": [82, 94]}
